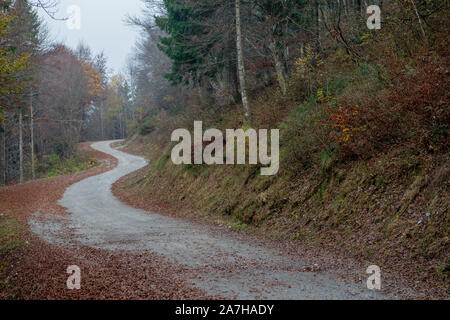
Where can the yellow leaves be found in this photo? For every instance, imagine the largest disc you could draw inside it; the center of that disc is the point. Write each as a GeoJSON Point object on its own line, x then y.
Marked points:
{"type": "Point", "coordinates": [366, 38]}
{"type": "Point", "coordinates": [5, 21]}
{"type": "Point", "coordinates": [300, 67]}
{"type": "Point", "coordinates": [95, 83]}
{"type": "Point", "coordinates": [307, 63]}
{"type": "Point", "coordinates": [116, 81]}
{"type": "Point", "coordinates": [300, 62]}
{"type": "Point", "coordinates": [116, 99]}
{"type": "Point", "coordinates": [10, 69]}
{"type": "Point", "coordinates": [320, 95]}
{"type": "Point", "coordinates": [342, 120]}
{"type": "Point", "coordinates": [309, 52]}
{"type": "Point", "coordinates": [346, 138]}
{"type": "Point", "coordinates": [11, 65]}
{"type": "Point", "coordinates": [347, 135]}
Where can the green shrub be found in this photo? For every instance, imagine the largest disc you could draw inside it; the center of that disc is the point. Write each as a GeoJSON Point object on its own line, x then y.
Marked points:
{"type": "Point", "coordinates": [53, 165]}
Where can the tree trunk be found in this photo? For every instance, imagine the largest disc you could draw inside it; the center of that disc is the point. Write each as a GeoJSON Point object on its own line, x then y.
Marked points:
{"type": "Point", "coordinates": [420, 21]}
{"type": "Point", "coordinates": [122, 126]}
{"type": "Point", "coordinates": [101, 121]}
{"type": "Point", "coordinates": [241, 66]}
{"type": "Point", "coordinates": [279, 65]}
{"type": "Point", "coordinates": [20, 147]}
{"type": "Point", "coordinates": [33, 173]}
{"type": "Point", "coordinates": [231, 72]}
{"type": "Point", "coordinates": [4, 161]}
{"type": "Point", "coordinates": [318, 22]}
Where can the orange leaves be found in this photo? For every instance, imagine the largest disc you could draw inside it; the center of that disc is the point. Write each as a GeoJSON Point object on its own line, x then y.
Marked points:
{"type": "Point", "coordinates": [337, 118]}
{"type": "Point", "coordinates": [5, 20]}
{"type": "Point", "coordinates": [95, 82]}
{"type": "Point", "coordinates": [11, 65]}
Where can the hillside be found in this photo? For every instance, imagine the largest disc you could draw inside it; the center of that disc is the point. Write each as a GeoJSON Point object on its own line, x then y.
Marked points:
{"type": "Point", "coordinates": [245, 149]}
{"type": "Point", "coordinates": [365, 178]}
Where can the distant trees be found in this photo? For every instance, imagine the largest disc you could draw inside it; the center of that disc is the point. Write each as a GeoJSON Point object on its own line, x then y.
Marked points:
{"type": "Point", "coordinates": [201, 43]}
{"type": "Point", "coordinates": [208, 42]}
{"type": "Point", "coordinates": [115, 108]}
{"type": "Point", "coordinates": [195, 59]}
{"type": "Point", "coordinates": [67, 86]}
{"type": "Point", "coordinates": [219, 54]}
{"type": "Point", "coordinates": [47, 93]}
{"type": "Point", "coordinates": [200, 37]}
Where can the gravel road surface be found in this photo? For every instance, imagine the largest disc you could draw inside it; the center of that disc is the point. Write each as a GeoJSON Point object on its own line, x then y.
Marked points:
{"type": "Point", "coordinates": [221, 265]}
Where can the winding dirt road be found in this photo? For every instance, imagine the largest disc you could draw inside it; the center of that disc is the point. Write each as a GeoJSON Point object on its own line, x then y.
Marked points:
{"type": "Point", "coordinates": [219, 264]}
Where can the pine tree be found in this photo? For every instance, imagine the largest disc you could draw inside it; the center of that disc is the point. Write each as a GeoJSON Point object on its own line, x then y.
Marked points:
{"type": "Point", "coordinates": [186, 54]}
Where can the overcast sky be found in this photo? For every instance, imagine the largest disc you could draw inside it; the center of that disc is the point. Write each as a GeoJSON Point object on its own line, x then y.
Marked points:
{"type": "Point", "coordinates": [102, 27]}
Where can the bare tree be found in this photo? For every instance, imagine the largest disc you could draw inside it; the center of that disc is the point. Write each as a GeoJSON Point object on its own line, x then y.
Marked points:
{"type": "Point", "coordinates": [241, 65]}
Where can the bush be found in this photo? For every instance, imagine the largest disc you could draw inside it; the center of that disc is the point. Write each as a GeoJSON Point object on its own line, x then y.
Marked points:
{"type": "Point", "coordinates": [303, 138]}
{"type": "Point", "coordinates": [53, 165]}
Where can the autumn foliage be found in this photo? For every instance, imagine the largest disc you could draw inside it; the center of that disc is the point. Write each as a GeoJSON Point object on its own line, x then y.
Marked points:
{"type": "Point", "coordinates": [410, 110]}
{"type": "Point", "coordinates": [11, 65]}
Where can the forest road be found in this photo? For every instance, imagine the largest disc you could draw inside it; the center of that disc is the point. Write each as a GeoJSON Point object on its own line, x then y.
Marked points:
{"type": "Point", "coordinates": [222, 265]}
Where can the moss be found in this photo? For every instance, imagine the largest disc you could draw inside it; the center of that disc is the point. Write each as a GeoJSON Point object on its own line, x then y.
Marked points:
{"type": "Point", "coordinates": [238, 225]}
{"type": "Point", "coordinates": [162, 161]}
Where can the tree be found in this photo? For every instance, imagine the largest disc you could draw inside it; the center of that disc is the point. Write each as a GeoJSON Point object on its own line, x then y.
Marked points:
{"type": "Point", "coordinates": [67, 89]}
{"type": "Point", "coordinates": [241, 66]}
{"type": "Point", "coordinates": [12, 63]}
{"type": "Point", "coordinates": [202, 45]}
{"type": "Point", "coordinates": [115, 107]}
{"type": "Point", "coordinates": [19, 27]}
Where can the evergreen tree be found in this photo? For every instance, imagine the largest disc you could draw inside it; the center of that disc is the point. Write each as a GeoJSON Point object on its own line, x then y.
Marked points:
{"type": "Point", "coordinates": [187, 55]}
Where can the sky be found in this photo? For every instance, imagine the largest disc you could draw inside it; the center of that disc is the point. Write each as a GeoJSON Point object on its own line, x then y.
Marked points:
{"type": "Point", "coordinates": [102, 26]}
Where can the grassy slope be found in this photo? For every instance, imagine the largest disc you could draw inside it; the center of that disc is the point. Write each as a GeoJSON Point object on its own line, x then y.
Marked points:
{"type": "Point", "coordinates": [80, 160]}
{"type": "Point", "coordinates": [391, 210]}
{"type": "Point", "coordinates": [10, 240]}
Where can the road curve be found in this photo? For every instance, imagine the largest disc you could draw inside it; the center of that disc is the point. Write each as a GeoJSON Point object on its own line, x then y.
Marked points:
{"type": "Point", "coordinates": [222, 265]}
